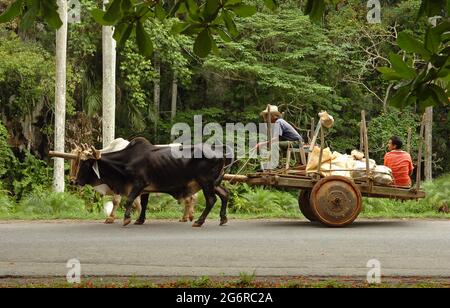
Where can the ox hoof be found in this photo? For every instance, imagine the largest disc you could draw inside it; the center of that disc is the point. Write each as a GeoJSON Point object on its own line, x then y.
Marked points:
{"type": "Point", "coordinates": [191, 218]}
{"type": "Point", "coordinates": [183, 220]}
{"type": "Point", "coordinates": [126, 221]}
{"type": "Point", "coordinates": [223, 221]}
{"type": "Point", "coordinates": [139, 222]}
{"type": "Point", "coordinates": [197, 224]}
{"type": "Point", "coordinates": [110, 220]}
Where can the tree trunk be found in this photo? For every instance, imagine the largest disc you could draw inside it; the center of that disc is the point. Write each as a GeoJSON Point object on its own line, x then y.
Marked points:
{"type": "Point", "coordinates": [429, 144]}
{"type": "Point", "coordinates": [60, 96]}
{"type": "Point", "coordinates": [428, 161]}
{"type": "Point", "coordinates": [157, 96]}
{"type": "Point", "coordinates": [109, 83]}
{"type": "Point", "coordinates": [385, 101]}
{"type": "Point", "coordinates": [173, 110]}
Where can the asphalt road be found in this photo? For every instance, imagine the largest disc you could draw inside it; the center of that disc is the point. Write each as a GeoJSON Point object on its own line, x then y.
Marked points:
{"type": "Point", "coordinates": [266, 247]}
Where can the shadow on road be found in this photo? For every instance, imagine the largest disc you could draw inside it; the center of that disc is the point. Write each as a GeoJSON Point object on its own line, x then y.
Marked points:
{"type": "Point", "coordinates": [364, 224]}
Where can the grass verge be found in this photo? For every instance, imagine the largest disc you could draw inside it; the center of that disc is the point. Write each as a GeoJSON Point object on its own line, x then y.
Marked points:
{"type": "Point", "coordinates": [243, 281]}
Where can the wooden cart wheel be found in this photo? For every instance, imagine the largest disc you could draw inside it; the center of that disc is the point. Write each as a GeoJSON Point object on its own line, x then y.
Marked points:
{"type": "Point", "coordinates": [305, 205]}
{"type": "Point", "coordinates": [336, 201]}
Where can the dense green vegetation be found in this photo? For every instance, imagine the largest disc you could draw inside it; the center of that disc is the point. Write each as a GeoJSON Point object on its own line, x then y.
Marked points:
{"type": "Point", "coordinates": [277, 57]}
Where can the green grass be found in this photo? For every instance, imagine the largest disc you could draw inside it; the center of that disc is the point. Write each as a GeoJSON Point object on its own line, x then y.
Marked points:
{"type": "Point", "coordinates": [243, 281]}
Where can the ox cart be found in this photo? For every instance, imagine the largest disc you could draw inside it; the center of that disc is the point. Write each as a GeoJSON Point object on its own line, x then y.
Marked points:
{"type": "Point", "coordinates": [335, 201]}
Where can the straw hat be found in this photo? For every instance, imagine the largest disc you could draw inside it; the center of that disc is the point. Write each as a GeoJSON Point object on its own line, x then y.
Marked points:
{"type": "Point", "coordinates": [273, 110]}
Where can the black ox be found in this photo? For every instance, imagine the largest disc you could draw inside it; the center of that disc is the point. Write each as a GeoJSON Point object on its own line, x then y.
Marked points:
{"type": "Point", "coordinates": [142, 168]}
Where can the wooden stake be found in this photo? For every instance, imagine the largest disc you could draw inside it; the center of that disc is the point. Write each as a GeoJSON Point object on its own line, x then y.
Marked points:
{"type": "Point", "coordinates": [361, 137]}
{"type": "Point", "coordinates": [366, 144]}
{"type": "Point", "coordinates": [408, 147]}
{"type": "Point", "coordinates": [322, 144]}
{"type": "Point", "coordinates": [419, 158]}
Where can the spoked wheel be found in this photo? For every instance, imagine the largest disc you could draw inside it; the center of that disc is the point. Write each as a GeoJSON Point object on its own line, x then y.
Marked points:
{"type": "Point", "coordinates": [305, 205]}
{"type": "Point", "coordinates": [336, 201]}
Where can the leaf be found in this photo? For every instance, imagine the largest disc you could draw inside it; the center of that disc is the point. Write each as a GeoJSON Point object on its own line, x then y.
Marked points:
{"type": "Point", "coordinates": [244, 10]}
{"type": "Point", "coordinates": [143, 40]}
{"type": "Point", "coordinates": [442, 27]}
{"type": "Point", "coordinates": [409, 44]}
{"type": "Point", "coordinates": [424, 104]}
{"type": "Point", "coordinates": [12, 11]}
{"type": "Point", "coordinates": [445, 37]}
{"type": "Point", "coordinates": [126, 5]}
{"type": "Point", "coordinates": [98, 15]}
{"type": "Point", "coordinates": [30, 16]}
{"type": "Point", "coordinates": [49, 11]}
{"type": "Point", "coordinates": [114, 12]}
{"type": "Point", "coordinates": [159, 11]}
{"type": "Point", "coordinates": [439, 94]}
{"type": "Point", "coordinates": [431, 8]}
{"type": "Point", "coordinates": [401, 67]}
{"type": "Point", "coordinates": [432, 40]}
{"type": "Point", "coordinates": [211, 9]}
{"type": "Point", "coordinates": [177, 8]}
{"type": "Point", "coordinates": [203, 44]}
{"type": "Point", "coordinates": [389, 73]}
{"type": "Point", "coordinates": [400, 98]}
{"type": "Point", "coordinates": [272, 4]}
{"type": "Point", "coordinates": [438, 61]}
{"type": "Point", "coordinates": [178, 27]}
{"type": "Point", "coordinates": [224, 35]}
{"type": "Point", "coordinates": [230, 24]}
{"type": "Point", "coordinates": [214, 48]}
{"type": "Point", "coordinates": [192, 29]}
{"type": "Point", "coordinates": [192, 7]}
{"type": "Point", "coordinates": [122, 32]}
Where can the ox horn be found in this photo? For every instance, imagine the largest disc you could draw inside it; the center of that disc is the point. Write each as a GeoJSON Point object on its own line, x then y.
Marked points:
{"type": "Point", "coordinates": [97, 154]}
{"type": "Point", "coordinates": [75, 147]}
{"type": "Point", "coordinates": [62, 155]}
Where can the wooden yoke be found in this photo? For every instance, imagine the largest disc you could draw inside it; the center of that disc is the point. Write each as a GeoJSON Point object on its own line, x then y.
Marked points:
{"type": "Point", "coordinates": [62, 155]}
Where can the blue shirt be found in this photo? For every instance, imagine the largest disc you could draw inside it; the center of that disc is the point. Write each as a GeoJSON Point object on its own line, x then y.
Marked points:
{"type": "Point", "coordinates": [285, 131]}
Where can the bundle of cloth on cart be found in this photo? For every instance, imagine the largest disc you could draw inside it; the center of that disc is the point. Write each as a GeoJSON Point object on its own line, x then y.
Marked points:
{"type": "Point", "coordinates": [352, 166]}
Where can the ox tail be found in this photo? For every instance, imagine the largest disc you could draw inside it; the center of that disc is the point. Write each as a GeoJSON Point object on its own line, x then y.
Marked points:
{"type": "Point", "coordinates": [228, 163]}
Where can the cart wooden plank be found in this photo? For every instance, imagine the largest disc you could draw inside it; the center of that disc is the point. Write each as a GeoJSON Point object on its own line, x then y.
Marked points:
{"type": "Point", "coordinates": [307, 183]}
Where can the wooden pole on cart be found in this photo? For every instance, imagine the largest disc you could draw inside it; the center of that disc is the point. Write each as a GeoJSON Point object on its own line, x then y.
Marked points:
{"type": "Point", "coordinates": [311, 133]}
{"type": "Point", "coordinates": [408, 146]}
{"type": "Point", "coordinates": [269, 132]}
{"type": "Point", "coordinates": [366, 144]}
{"type": "Point", "coordinates": [316, 134]}
{"type": "Point", "coordinates": [419, 158]}
{"type": "Point", "coordinates": [288, 156]}
{"type": "Point", "coordinates": [361, 137]}
{"type": "Point", "coordinates": [269, 127]}
{"type": "Point", "coordinates": [322, 145]}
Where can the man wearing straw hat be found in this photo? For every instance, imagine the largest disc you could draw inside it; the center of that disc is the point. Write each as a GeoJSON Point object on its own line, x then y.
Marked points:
{"type": "Point", "coordinates": [283, 133]}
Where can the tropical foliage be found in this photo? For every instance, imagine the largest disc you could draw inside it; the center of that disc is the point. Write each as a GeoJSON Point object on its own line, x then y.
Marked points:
{"type": "Point", "coordinates": [229, 59]}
